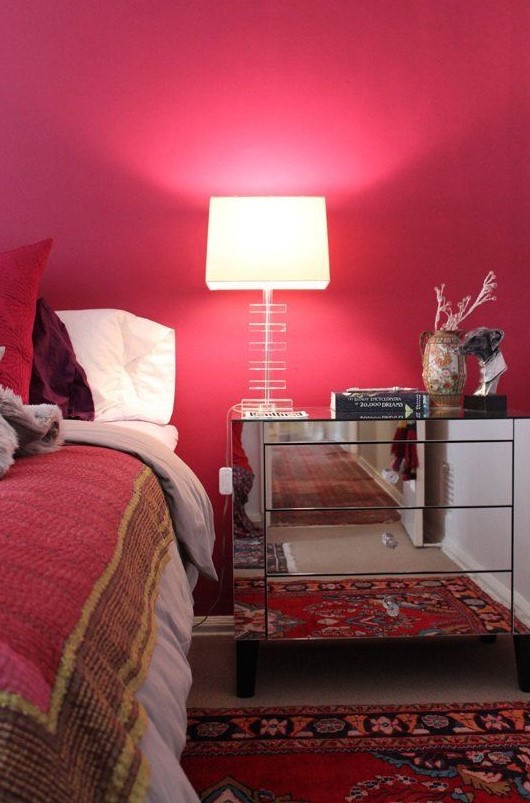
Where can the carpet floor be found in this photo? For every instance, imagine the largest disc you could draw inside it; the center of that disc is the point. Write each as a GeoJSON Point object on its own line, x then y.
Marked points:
{"type": "Point", "coordinates": [377, 679]}
{"type": "Point", "coordinates": [398, 754]}
{"type": "Point", "coordinates": [363, 672]}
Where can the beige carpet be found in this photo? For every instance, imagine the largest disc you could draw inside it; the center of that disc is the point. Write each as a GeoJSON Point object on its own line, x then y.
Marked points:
{"type": "Point", "coordinates": [356, 548]}
{"type": "Point", "coordinates": [377, 671]}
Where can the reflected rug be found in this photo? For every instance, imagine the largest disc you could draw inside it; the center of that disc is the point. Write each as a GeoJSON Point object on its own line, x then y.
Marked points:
{"type": "Point", "coordinates": [248, 554]}
{"type": "Point", "coordinates": [325, 476]}
{"type": "Point", "coordinates": [460, 753]}
{"type": "Point", "coordinates": [367, 607]}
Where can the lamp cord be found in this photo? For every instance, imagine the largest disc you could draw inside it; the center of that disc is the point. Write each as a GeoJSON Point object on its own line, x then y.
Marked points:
{"type": "Point", "coordinates": [224, 522]}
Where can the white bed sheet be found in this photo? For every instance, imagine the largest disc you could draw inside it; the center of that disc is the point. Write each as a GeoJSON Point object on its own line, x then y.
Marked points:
{"type": "Point", "coordinates": [166, 688]}
{"type": "Point", "coordinates": [165, 433]}
{"type": "Point", "coordinates": [189, 505]}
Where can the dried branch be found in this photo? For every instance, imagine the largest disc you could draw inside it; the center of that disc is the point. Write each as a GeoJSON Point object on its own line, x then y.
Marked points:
{"type": "Point", "coordinates": [465, 308]}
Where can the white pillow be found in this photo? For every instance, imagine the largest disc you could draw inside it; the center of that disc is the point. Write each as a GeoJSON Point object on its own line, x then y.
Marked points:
{"type": "Point", "coordinates": [129, 363]}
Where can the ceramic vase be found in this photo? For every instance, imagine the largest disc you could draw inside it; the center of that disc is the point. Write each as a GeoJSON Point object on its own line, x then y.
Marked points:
{"type": "Point", "coordinates": [444, 368]}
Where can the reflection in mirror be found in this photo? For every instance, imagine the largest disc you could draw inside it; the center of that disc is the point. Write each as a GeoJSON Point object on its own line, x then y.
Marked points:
{"type": "Point", "coordinates": [243, 477]}
{"type": "Point", "coordinates": [314, 503]}
{"type": "Point", "coordinates": [381, 606]}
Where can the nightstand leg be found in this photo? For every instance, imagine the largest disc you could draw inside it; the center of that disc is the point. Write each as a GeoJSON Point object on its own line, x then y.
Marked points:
{"type": "Point", "coordinates": [522, 657]}
{"type": "Point", "coordinates": [247, 664]}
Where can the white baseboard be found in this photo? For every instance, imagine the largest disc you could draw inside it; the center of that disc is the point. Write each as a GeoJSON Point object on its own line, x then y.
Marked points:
{"type": "Point", "coordinates": [492, 584]}
{"type": "Point", "coordinates": [483, 577]}
{"type": "Point", "coordinates": [213, 626]}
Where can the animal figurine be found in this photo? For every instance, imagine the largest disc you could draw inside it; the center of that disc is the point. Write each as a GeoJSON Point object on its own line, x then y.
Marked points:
{"type": "Point", "coordinates": [483, 343]}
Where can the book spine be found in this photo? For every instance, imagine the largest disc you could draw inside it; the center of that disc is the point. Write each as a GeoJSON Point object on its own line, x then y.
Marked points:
{"type": "Point", "coordinates": [391, 405]}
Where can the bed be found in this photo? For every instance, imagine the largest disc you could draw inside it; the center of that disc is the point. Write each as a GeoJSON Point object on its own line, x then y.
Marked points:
{"type": "Point", "coordinates": [102, 539]}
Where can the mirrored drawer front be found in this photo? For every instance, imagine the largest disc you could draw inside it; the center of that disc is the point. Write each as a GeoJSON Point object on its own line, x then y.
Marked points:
{"type": "Point", "coordinates": [472, 430]}
{"type": "Point", "coordinates": [468, 473]}
{"type": "Point", "coordinates": [331, 475]}
{"type": "Point", "coordinates": [375, 431]}
{"type": "Point", "coordinates": [376, 607]}
{"type": "Point", "coordinates": [466, 539]}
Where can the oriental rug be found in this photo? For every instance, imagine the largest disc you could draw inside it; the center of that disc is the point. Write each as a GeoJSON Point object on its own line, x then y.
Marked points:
{"type": "Point", "coordinates": [459, 753]}
{"type": "Point", "coordinates": [325, 476]}
{"type": "Point", "coordinates": [369, 607]}
{"type": "Point", "coordinates": [248, 554]}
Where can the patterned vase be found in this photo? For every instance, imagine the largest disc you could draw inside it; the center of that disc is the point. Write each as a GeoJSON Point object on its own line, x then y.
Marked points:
{"type": "Point", "coordinates": [444, 367]}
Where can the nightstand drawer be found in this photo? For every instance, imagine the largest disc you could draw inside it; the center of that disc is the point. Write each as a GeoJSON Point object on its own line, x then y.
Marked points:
{"type": "Point", "coordinates": [463, 539]}
{"type": "Point", "coordinates": [392, 607]}
{"type": "Point", "coordinates": [319, 476]}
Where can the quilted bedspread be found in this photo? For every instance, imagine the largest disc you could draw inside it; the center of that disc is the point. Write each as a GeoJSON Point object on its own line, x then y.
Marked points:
{"type": "Point", "coordinates": [84, 538]}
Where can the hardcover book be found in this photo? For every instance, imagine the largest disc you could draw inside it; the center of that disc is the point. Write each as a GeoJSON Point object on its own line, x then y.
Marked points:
{"type": "Point", "coordinates": [359, 403]}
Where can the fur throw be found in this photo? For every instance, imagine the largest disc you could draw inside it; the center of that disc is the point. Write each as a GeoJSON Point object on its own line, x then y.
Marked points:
{"type": "Point", "coordinates": [26, 428]}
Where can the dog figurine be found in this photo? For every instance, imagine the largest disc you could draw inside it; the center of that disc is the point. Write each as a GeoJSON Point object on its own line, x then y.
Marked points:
{"type": "Point", "coordinates": [483, 343]}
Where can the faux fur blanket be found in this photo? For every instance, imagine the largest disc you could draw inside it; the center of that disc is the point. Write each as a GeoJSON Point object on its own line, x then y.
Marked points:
{"type": "Point", "coordinates": [26, 428]}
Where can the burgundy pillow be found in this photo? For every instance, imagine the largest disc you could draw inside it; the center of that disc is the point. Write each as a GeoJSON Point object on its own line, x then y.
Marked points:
{"type": "Point", "coordinates": [20, 274]}
{"type": "Point", "coordinates": [57, 377]}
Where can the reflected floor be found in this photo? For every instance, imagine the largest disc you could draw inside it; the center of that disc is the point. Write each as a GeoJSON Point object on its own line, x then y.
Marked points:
{"type": "Point", "coordinates": [356, 548]}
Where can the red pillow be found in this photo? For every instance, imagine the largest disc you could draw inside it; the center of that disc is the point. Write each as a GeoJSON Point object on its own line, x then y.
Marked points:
{"type": "Point", "coordinates": [57, 378]}
{"type": "Point", "coordinates": [20, 274]}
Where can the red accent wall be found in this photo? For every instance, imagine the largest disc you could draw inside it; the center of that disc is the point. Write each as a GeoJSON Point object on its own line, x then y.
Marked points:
{"type": "Point", "coordinates": [120, 119]}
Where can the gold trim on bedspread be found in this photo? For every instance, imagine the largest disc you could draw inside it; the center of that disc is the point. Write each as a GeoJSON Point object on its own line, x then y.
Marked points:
{"type": "Point", "coordinates": [83, 746]}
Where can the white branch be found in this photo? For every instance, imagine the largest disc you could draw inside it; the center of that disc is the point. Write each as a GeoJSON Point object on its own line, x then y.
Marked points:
{"type": "Point", "coordinates": [454, 319]}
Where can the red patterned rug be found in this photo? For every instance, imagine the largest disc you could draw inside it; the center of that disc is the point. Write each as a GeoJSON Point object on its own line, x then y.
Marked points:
{"type": "Point", "coordinates": [466, 753]}
{"type": "Point", "coordinates": [369, 607]}
{"type": "Point", "coordinates": [325, 476]}
{"type": "Point", "coordinates": [248, 554]}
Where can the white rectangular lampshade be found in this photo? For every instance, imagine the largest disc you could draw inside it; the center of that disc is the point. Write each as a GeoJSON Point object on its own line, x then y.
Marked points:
{"type": "Point", "coordinates": [278, 242]}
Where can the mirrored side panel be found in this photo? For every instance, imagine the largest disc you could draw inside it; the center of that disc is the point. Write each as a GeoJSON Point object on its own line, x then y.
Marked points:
{"type": "Point", "coordinates": [521, 571]}
{"type": "Point", "coordinates": [248, 533]}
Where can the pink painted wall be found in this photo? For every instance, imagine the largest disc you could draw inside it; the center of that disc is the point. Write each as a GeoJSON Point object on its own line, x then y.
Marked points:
{"type": "Point", "coordinates": [120, 119]}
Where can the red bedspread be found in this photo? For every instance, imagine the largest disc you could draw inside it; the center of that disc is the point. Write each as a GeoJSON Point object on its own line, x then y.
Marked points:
{"type": "Point", "coordinates": [84, 534]}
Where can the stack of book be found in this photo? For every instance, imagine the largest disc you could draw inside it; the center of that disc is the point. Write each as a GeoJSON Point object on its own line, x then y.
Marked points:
{"type": "Point", "coordinates": [396, 402]}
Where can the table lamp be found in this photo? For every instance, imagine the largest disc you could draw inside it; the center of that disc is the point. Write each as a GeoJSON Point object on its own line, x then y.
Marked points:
{"type": "Point", "coordinates": [267, 243]}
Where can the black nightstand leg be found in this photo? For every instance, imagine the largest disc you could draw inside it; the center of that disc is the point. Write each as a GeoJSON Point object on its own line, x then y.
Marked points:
{"type": "Point", "coordinates": [247, 664]}
{"type": "Point", "coordinates": [522, 657]}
